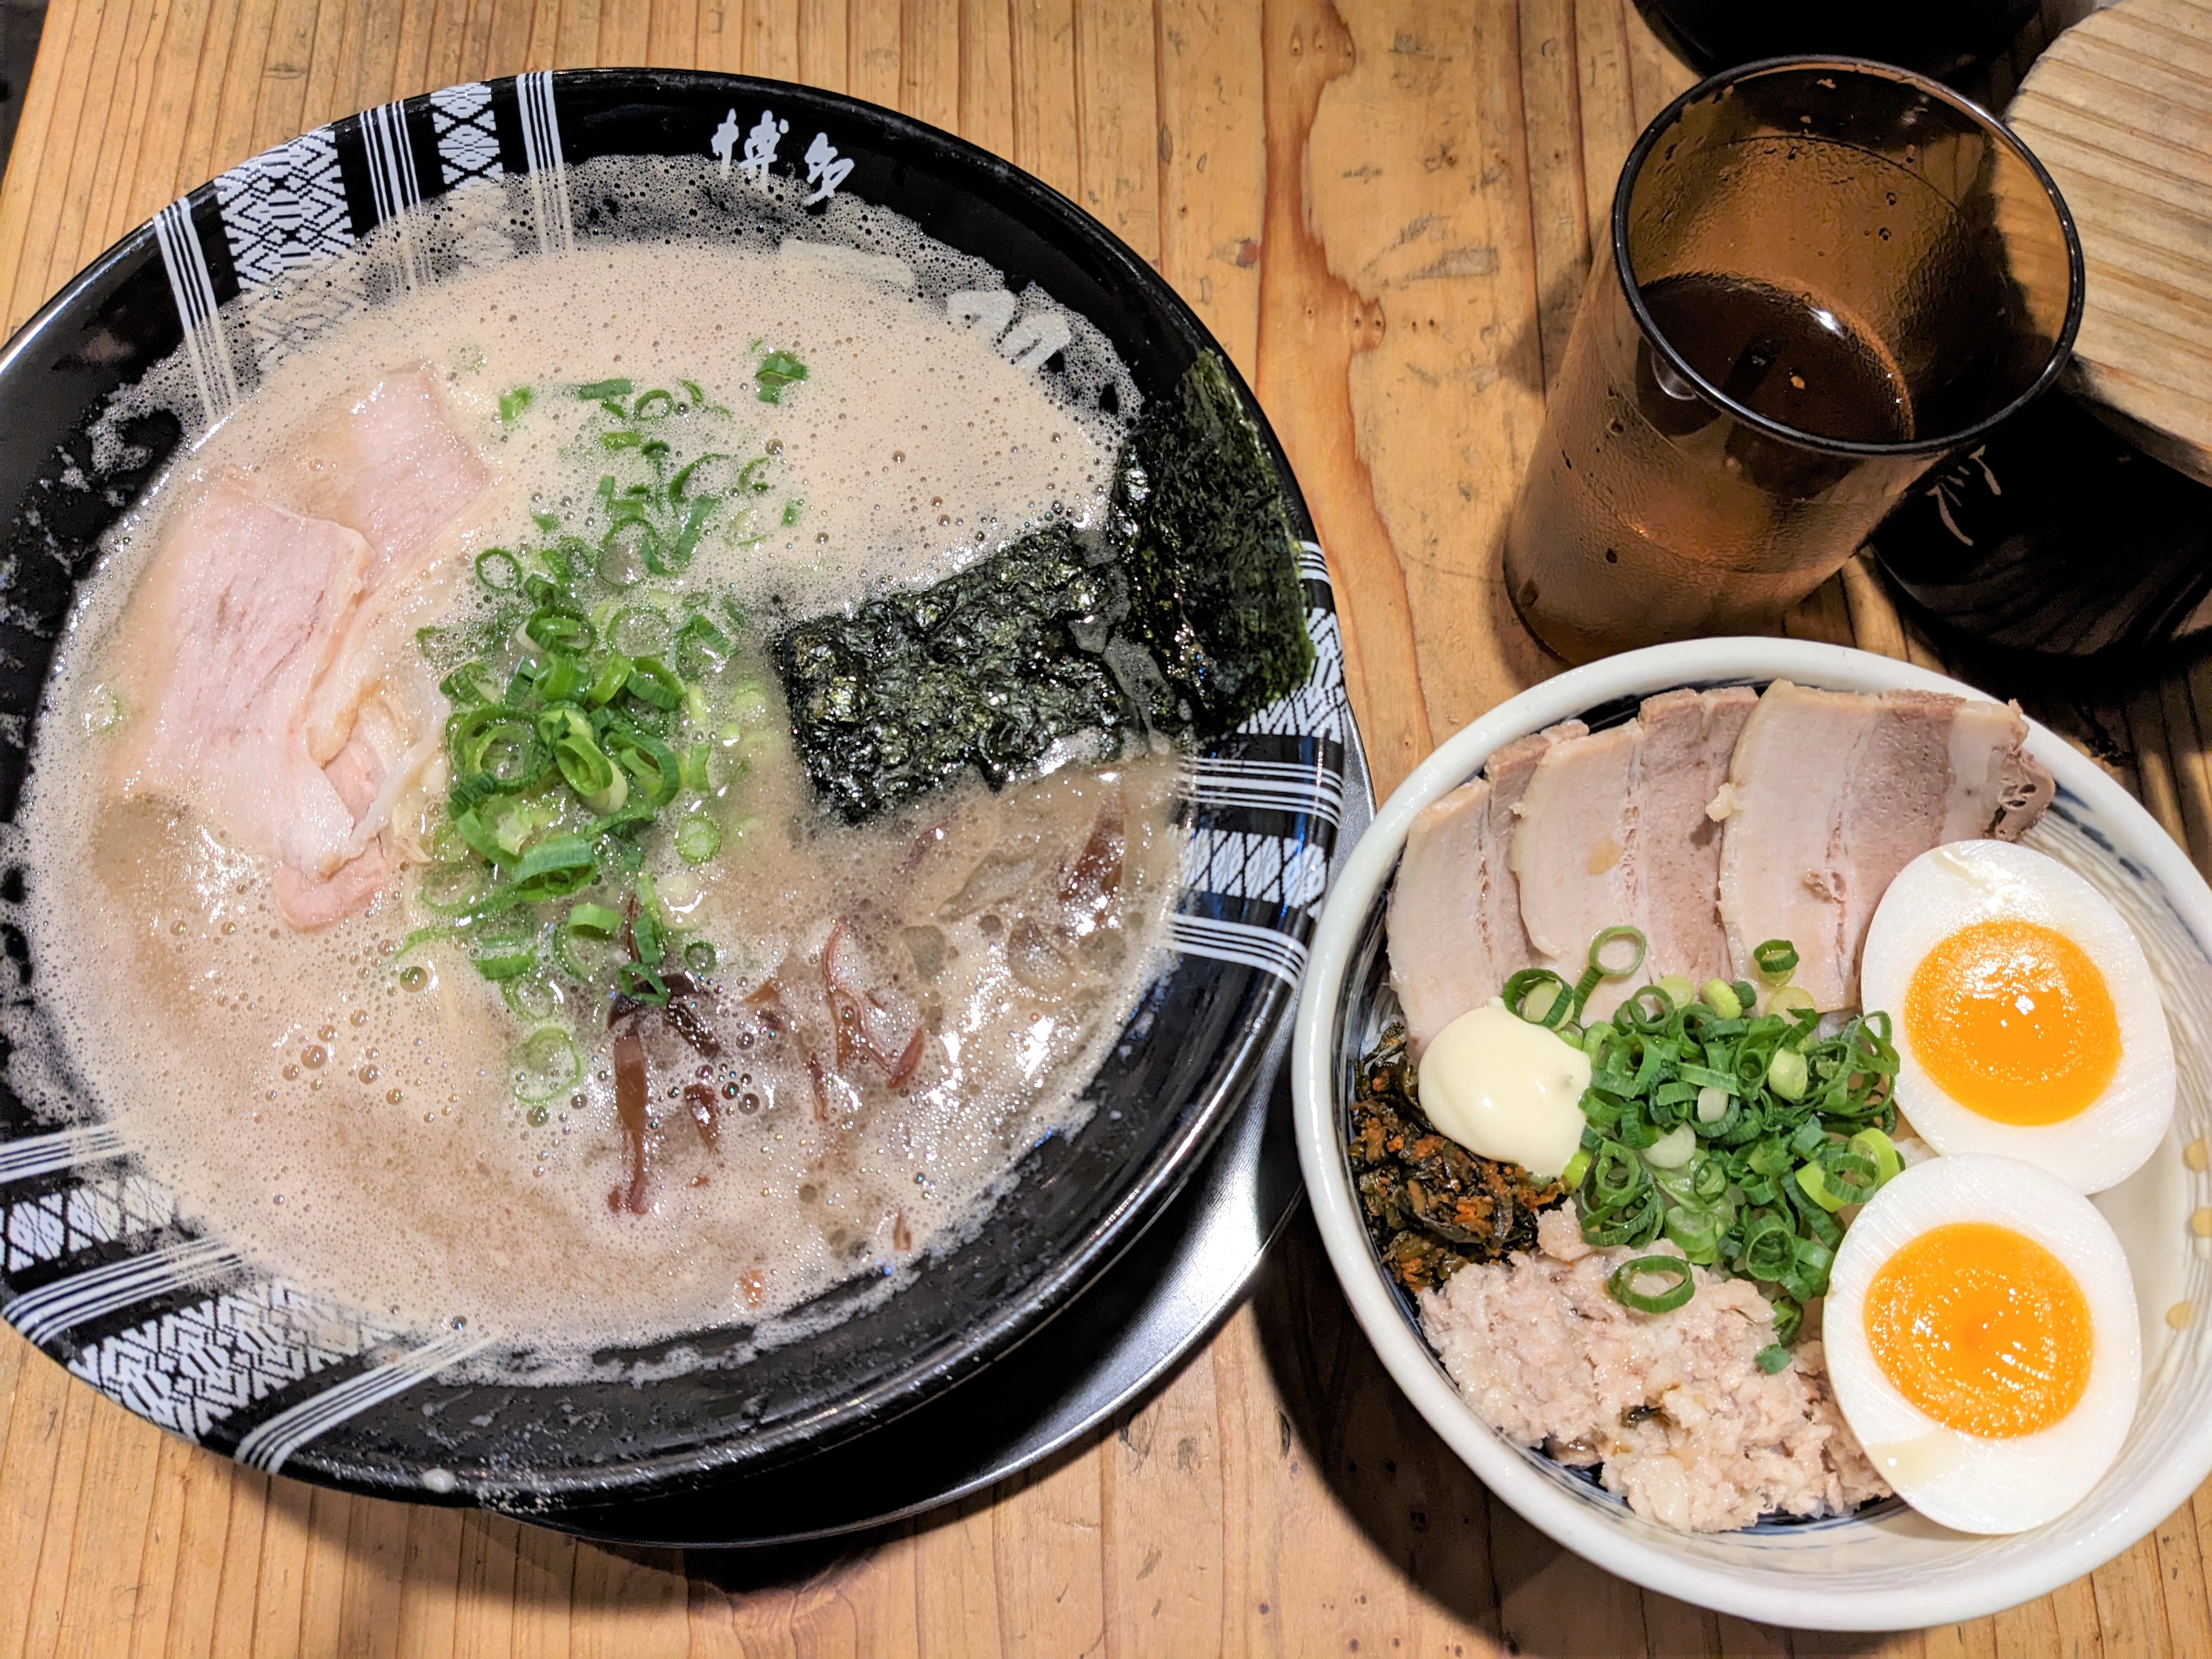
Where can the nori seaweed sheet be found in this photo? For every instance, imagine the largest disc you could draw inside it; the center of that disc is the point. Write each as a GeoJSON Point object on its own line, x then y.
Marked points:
{"type": "Point", "coordinates": [983, 669]}
{"type": "Point", "coordinates": [1182, 616]}
{"type": "Point", "coordinates": [1431, 1206]}
{"type": "Point", "coordinates": [1213, 565]}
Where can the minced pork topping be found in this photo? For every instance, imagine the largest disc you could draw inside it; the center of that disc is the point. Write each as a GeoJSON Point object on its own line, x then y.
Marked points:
{"type": "Point", "coordinates": [1688, 1429]}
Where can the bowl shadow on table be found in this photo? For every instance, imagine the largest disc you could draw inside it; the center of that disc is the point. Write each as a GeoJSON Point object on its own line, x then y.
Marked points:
{"type": "Point", "coordinates": [1461, 1548]}
{"type": "Point", "coordinates": [1478, 1567]}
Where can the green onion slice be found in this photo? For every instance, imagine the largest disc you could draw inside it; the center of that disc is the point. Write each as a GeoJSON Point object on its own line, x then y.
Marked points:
{"type": "Point", "coordinates": [534, 997]}
{"type": "Point", "coordinates": [1622, 1284]}
{"type": "Point", "coordinates": [556, 868]}
{"type": "Point", "coordinates": [471, 682]}
{"type": "Point", "coordinates": [546, 1063]}
{"type": "Point", "coordinates": [698, 838]}
{"type": "Point", "coordinates": [568, 730]}
{"type": "Point", "coordinates": [560, 629]}
{"type": "Point", "coordinates": [1879, 1149]}
{"type": "Point", "coordinates": [495, 749]}
{"type": "Point", "coordinates": [682, 481]}
{"type": "Point", "coordinates": [1775, 960]}
{"type": "Point", "coordinates": [454, 888]}
{"type": "Point", "coordinates": [1696, 1233]}
{"type": "Point", "coordinates": [694, 526]}
{"type": "Point", "coordinates": [1788, 1074]}
{"type": "Point", "coordinates": [561, 680]}
{"type": "Point", "coordinates": [498, 961]}
{"type": "Point", "coordinates": [499, 570]}
{"type": "Point", "coordinates": [1788, 1317]}
{"type": "Point", "coordinates": [778, 370]}
{"type": "Point", "coordinates": [1622, 965]}
{"type": "Point", "coordinates": [590, 922]}
{"type": "Point", "coordinates": [651, 682]}
{"type": "Point", "coordinates": [1520, 994]}
{"type": "Point", "coordinates": [607, 684]}
{"type": "Point", "coordinates": [651, 763]}
{"type": "Point", "coordinates": [646, 929]}
{"type": "Point", "coordinates": [1721, 997]}
{"type": "Point", "coordinates": [641, 984]}
{"type": "Point", "coordinates": [1619, 1204]}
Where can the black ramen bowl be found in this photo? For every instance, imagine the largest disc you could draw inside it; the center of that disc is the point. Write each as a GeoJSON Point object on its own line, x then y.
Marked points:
{"type": "Point", "coordinates": [99, 1267]}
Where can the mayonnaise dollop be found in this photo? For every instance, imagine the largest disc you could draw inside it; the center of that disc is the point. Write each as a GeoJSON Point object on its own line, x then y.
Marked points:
{"type": "Point", "coordinates": [1506, 1089]}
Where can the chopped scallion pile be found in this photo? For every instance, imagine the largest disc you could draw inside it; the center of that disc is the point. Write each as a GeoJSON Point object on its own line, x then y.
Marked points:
{"type": "Point", "coordinates": [601, 706]}
{"type": "Point", "coordinates": [1738, 1135]}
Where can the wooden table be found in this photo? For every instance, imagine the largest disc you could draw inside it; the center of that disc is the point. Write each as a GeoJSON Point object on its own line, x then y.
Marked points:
{"type": "Point", "coordinates": [1385, 217]}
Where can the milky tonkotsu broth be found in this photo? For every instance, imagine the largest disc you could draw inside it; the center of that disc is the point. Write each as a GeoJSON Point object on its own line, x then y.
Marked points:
{"type": "Point", "coordinates": [353, 1126]}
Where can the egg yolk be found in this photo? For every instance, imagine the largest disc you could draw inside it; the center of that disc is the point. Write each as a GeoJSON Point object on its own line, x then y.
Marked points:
{"type": "Point", "coordinates": [1982, 1328]}
{"type": "Point", "coordinates": [2013, 1021]}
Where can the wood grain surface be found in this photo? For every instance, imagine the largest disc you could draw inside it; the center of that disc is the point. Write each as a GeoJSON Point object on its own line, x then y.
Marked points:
{"type": "Point", "coordinates": [2120, 111]}
{"type": "Point", "coordinates": [1384, 212]}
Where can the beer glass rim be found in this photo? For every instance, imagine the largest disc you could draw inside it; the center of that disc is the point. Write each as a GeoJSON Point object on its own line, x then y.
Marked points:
{"type": "Point", "coordinates": [2062, 348]}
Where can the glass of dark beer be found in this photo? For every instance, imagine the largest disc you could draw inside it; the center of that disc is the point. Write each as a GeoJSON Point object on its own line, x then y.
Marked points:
{"type": "Point", "coordinates": [1827, 275]}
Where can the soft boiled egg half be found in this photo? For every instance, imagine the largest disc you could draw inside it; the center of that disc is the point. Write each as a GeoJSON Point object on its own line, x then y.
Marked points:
{"type": "Point", "coordinates": [1981, 1338]}
{"type": "Point", "coordinates": [2027, 1021]}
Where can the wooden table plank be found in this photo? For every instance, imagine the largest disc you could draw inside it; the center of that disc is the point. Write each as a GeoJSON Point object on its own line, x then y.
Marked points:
{"type": "Point", "coordinates": [1385, 214]}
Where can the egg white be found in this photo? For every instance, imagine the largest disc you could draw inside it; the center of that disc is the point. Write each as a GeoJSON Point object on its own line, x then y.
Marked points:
{"type": "Point", "coordinates": [1962, 1480]}
{"type": "Point", "coordinates": [1974, 881]}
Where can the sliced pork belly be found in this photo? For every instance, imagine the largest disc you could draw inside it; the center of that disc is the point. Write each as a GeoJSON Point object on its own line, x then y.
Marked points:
{"type": "Point", "coordinates": [392, 464]}
{"type": "Point", "coordinates": [357, 775]}
{"type": "Point", "coordinates": [1571, 850]}
{"type": "Point", "coordinates": [1902, 788]}
{"type": "Point", "coordinates": [1614, 831]}
{"type": "Point", "coordinates": [1689, 740]}
{"type": "Point", "coordinates": [1831, 793]}
{"type": "Point", "coordinates": [1789, 789]}
{"type": "Point", "coordinates": [242, 610]}
{"type": "Point", "coordinates": [1455, 920]}
{"type": "Point", "coordinates": [1998, 788]}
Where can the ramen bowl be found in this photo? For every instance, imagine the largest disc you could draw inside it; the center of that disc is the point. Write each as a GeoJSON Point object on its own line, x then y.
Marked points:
{"type": "Point", "coordinates": [99, 1265]}
{"type": "Point", "coordinates": [1883, 1567]}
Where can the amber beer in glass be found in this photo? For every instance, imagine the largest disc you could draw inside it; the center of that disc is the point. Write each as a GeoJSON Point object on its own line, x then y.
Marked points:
{"type": "Point", "coordinates": [1825, 275]}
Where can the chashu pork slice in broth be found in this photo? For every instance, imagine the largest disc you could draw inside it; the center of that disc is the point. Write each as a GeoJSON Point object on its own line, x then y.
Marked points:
{"type": "Point", "coordinates": [356, 773]}
{"type": "Point", "coordinates": [1454, 919]}
{"type": "Point", "coordinates": [240, 613]}
{"type": "Point", "coordinates": [1831, 793]}
{"type": "Point", "coordinates": [392, 464]}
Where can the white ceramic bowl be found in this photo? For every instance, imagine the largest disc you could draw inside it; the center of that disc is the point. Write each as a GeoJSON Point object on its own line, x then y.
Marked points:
{"type": "Point", "coordinates": [1885, 1568]}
